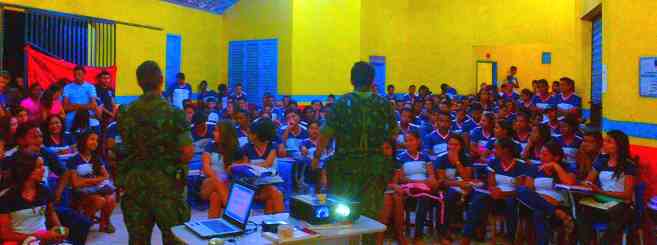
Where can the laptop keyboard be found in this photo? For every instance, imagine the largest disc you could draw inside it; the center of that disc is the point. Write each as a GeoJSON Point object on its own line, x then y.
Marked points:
{"type": "Point", "coordinates": [218, 226]}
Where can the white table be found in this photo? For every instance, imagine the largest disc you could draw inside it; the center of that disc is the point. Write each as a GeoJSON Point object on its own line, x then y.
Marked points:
{"type": "Point", "coordinates": [351, 235]}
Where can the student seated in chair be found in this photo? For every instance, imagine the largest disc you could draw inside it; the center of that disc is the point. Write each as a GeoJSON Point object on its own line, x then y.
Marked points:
{"type": "Point", "coordinates": [612, 179]}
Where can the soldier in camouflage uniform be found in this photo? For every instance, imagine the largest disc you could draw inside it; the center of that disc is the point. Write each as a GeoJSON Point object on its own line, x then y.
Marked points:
{"type": "Point", "coordinates": [360, 122]}
{"type": "Point", "coordinates": [153, 161]}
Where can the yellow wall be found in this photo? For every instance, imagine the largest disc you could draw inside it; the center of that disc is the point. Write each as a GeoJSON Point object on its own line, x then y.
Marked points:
{"type": "Point", "coordinates": [200, 31]}
{"type": "Point", "coordinates": [627, 36]}
{"type": "Point", "coordinates": [325, 44]}
{"type": "Point", "coordinates": [384, 32]}
{"type": "Point", "coordinates": [262, 19]}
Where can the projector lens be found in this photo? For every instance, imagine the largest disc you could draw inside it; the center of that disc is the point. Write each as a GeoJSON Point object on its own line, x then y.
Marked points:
{"type": "Point", "coordinates": [342, 210]}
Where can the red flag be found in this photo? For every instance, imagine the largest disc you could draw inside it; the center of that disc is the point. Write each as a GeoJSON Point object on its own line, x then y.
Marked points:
{"type": "Point", "coordinates": [46, 70]}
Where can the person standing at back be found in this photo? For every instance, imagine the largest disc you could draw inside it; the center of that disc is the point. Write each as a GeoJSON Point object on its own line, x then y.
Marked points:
{"type": "Point", "coordinates": [360, 122]}
{"type": "Point", "coordinates": [179, 92]}
{"type": "Point", "coordinates": [153, 161]}
{"type": "Point", "coordinates": [78, 95]}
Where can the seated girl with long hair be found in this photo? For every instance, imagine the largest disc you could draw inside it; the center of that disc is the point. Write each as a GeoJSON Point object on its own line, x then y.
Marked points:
{"type": "Point", "coordinates": [91, 182]}
{"type": "Point", "coordinates": [415, 168]}
{"type": "Point", "coordinates": [217, 156]}
{"type": "Point", "coordinates": [540, 195]}
{"type": "Point", "coordinates": [26, 207]}
{"type": "Point", "coordinates": [454, 173]}
{"type": "Point", "coordinates": [612, 179]}
{"type": "Point", "coordinates": [261, 152]}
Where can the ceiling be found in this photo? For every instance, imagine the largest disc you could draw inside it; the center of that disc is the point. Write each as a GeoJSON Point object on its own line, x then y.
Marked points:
{"type": "Point", "coordinates": [214, 6]}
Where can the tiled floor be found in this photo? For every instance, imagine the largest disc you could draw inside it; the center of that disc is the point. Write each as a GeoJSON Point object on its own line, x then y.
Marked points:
{"type": "Point", "coordinates": [121, 235]}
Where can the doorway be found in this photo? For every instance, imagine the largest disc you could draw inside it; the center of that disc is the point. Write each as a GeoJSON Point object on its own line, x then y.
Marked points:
{"type": "Point", "coordinates": [379, 64]}
{"type": "Point", "coordinates": [485, 73]}
{"type": "Point", "coordinates": [597, 71]}
{"type": "Point", "coordinates": [13, 41]}
{"type": "Point", "coordinates": [174, 53]}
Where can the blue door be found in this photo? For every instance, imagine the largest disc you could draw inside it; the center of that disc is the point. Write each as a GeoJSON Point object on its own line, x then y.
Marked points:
{"type": "Point", "coordinates": [379, 63]}
{"type": "Point", "coordinates": [174, 52]}
{"type": "Point", "coordinates": [254, 64]}
{"type": "Point", "coordinates": [596, 73]}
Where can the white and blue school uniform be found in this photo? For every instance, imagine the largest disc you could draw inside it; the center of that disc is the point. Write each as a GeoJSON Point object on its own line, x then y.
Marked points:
{"type": "Point", "coordinates": [435, 143]}
{"type": "Point", "coordinates": [409, 97]}
{"type": "Point", "coordinates": [570, 151]}
{"type": "Point", "coordinates": [278, 114]}
{"type": "Point", "coordinates": [522, 143]}
{"type": "Point", "coordinates": [239, 96]}
{"type": "Point", "coordinates": [85, 169]}
{"type": "Point", "coordinates": [483, 140]}
{"type": "Point", "coordinates": [213, 117]}
{"type": "Point", "coordinates": [543, 103]}
{"type": "Point", "coordinates": [466, 126]}
{"type": "Point", "coordinates": [401, 137]}
{"type": "Point", "coordinates": [512, 97]}
{"type": "Point", "coordinates": [293, 140]}
{"type": "Point", "coordinates": [505, 180]}
{"type": "Point", "coordinates": [554, 129]}
{"type": "Point", "coordinates": [26, 217]}
{"type": "Point", "coordinates": [606, 177]}
{"type": "Point", "coordinates": [567, 103]}
{"type": "Point", "coordinates": [255, 158]}
{"type": "Point", "coordinates": [199, 142]}
{"type": "Point", "coordinates": [64, 149]}
{"type": "Point", "coordinates": [391, 97]}
{"type": "Point", "coordinates": [525, 106]}
{"type": "Point", "coordinates": [541, 209]}
{"type": "Point", "coordinates": [242, 137]}
{"type": "Point", "coordinates": [178, 93]}
{"type": "Point", "coordinates": [414, 167]}
{"type": "Point", "coordinates": [217, 162]}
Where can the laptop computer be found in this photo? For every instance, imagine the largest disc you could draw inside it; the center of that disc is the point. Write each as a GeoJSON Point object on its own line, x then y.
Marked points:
{"type": "Point", "coordinates": [235, 217]}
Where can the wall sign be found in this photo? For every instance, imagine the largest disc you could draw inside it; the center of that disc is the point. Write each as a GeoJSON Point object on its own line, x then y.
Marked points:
{"type": "Point", "coordinates": [648, 76]}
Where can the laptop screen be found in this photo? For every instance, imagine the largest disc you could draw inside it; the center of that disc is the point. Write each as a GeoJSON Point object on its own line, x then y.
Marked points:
{"type": "Point", "coordinates": [239, 203]}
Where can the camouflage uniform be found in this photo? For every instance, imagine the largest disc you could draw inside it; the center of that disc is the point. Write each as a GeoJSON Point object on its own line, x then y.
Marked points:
{"type": "Point", "coordinates": [149, 169]}
{"type": "Point", "coordinates": [360, 122]}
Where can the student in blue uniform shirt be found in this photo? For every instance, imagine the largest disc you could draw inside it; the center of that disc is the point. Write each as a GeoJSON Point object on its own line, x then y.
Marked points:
{"type": "Point", "coordinates": [462, 123]}
{"type": "Point", "coordinates": [538, 137]}
{"type": "Point", "coordinates": [505, 175]}
{"type": "Point", "coordinates": [540, 195]}
{"type": "Point", "coordinates": [569, 141]}
{"type": "Point", "coordinates": [178, 92]}
{"type": "Point", "coordinates": [406, 126]}
{"type": "Point", "coordinates": [261, 153]}
{"type": "Point", "coordinates": [243, 126]}
{"type": "Point", "coordinates": [291, 134]}
{"type": "Point", "coordinates": [91, 181]}
{"type": "Point", "coordinates": [448, 91]}
{"type": "Point", "coordinates": [567, 101]}
{"type": "Point", "coordinates": [507, 93]}
{"type": "Point", "coordinates": [552, 121]}
{"type": "Point", "coordinates": [217, 157]}
{"type": "Point", "coordinates": [542, 98]}
{"type": "Point", "coordinates": [526, 100]}
{"type": "Point", "coordinates": [415, 167]}
{"type": "Point", "coordinates": [475, 113]}
{"type": "Point", "coordinates": [589, 151]}
{"type": "Point", "coordinates": [238, 93]}
{"type": "Point", "coordinates": [436, 142]}
{"type": "Point", "coordinates": [487, 101]}
{"type": "Point", "coordinates": [390, 92]}
{"type": "Point", "coordinates": [454, 174]}
{"type": "Point", "coordinates": [612, 179]}
{"type": "Point", "coordinates": [212, 109]}
{"type": "Point", "coordinates": [522, 130]}
{"type": "Point", "coordinates": [57, 141]}
{"type": "Point", "coordinates": [481, 137]}
{"type": "Point", "coordinates": [411, 96]}
{"type": "Point", "coordinates": [201, 135]}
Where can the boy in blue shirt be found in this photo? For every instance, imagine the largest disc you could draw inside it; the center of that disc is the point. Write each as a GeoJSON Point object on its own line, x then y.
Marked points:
{"type": "Point", "coordinates": [78, 95]}
{"type": "Point", "coordinates": [567, 102]}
